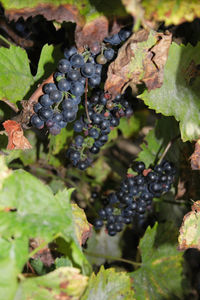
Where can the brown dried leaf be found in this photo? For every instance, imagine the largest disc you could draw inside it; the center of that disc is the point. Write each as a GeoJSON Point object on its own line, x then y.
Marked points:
{"type": "Point", "coordinates": [195, 157]}
{"type": "Point", "coordinates": [60, 13]}
{"type": "Point", "coordinates": [91, 33]}
{"type": "Point", "coordinates": [16, 138]}
{"type": "Point", "coordinates": [141, 59]}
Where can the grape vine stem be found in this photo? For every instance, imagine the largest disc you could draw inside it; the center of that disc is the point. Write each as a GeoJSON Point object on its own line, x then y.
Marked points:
{"type": "Point", "coordinates": [167, 148]}
{"type": "Point", "coordinates": [86, 108]}
{"type": "Point", "coordinates": [108, 257]}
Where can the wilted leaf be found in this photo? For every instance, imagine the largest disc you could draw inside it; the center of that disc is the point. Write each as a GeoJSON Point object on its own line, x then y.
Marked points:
{"type": "Point", "coordinates": [190, 229]}
{"type": "Point", "coordinates": [160, 274]}
{"type": "Point", "coordinates": [179, 95]}
{"type": "Point", "coordinates": [82, 227]}
{"type": "Point", "coordinates": [91, 17]}
{"type": "Point", "coordinates": [195, 157]}
{"type": "Point", "coordinates": [63, 283]}
{"type": "Point", "coordinates": [141, 59]}
{"type": "Point", "coordinates": [16, 138]}
{"type": "Point", "coordinates": [107, 285]}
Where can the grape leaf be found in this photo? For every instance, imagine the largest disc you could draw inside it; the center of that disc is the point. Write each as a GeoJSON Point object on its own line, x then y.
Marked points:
{"type": "Point", "coordinates": [141, 59]}
{"type": "Point", "coordinates": [179, 95]}
{"type": "Point", "coordinates": [29, 209]}
{"type": "Point", "coordinates": [190, 229]}
{"type": "Point", "coordinates": [166, 129]}
{"type": "Point", "coordinates": [12, 261]}
{"type": "Point", "coordinates": [101, 243]}
{"type": "Point", "coordinates": [108, 284]}
{"type": "Point", "coordinates": [170, 11]}
{"type": "Point", "coordinates": [160, 274]}
{"type": "Point", "coordinates": [59, 284]}
{"type": "Point", "coordinates": [15, 75]}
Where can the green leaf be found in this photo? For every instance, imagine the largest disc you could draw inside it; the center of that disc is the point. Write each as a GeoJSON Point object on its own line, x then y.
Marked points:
{"type": "Point", "coordinates": [15, 75]}
{"type": "Point", "coordinates": [57, 142]}
{"type": "Point", "coordinates": [102, 244]}
{"type": "Point", "coordinates": [179, 95]}
{"type": "Point", "coordinates": [12, 259]}
{"type": "Point", "coordinates": [108, 284]}
{"type": "Point", "coordinates": [62, 281]}
{"type": "Point", "coordinates": [160, 274]}
{"type": "Point", "coordinates": [48, 57]}
{"type": "Point", "coordinates": [38, 266]}
{"type": "Point", "coordinates": [129, 126]}
{"type": "Point", "coordinates": [62, 262]}
{"type": "Point", "coordinates": [172, 12]}
{"type": "Point", "coordinates": [165, 130]}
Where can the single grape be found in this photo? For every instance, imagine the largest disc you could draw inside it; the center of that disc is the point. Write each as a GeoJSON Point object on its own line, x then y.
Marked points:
{"type": "Point", "coordinates": [64, 85]}
{"type": "Point", "coordinates": [88, 70]}
{"type": "Point", "coordinates": [109, 53]}
{"type": "Point", "coordinates": [69, 52]}
{"type": "Point", "coordinates": [101, 60]}
{"type": "Point", "coordinates": [78, 126]}
{"type": "Point", "coordinates": [55, 96]}
{"type": "Point", "coordinates": [49, 87]}
{"type": "Point", "coordinates": [46, 101]}
{"type": "Point", "coordinates": [63, 65]}
{"type": "Point", "coordinates": [77, 89]}
{"type": "Point", "coordinates": [76, 60]}
{"type": "Point", "coordinates": [45, 113]}
{"type": "Point", "coordinates": [37, 122]}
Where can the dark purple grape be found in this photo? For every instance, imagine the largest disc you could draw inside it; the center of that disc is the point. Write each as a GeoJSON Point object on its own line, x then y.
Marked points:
{"type": "Point", "coordinates": [94, 133]}
{"type": "Point", "coordinates": [76, 60]}
{"type": "Point", "coordinates": [62, 124]}
{"type": "Point", "coordinates": [55, 96]}
{"type": "Point", "coordinates": [57, 117]}
{"type": "Point", "coordinates": [113, 40]}
{"type": "Point", "coordinates": [64, 85]}
{"type": "Point", "coordinates": [109, 53]}
{"type": "Point", "coordinates": [69, 116]}
{"type": "Point", "coordinates": [94, 81]}
{"type": "Point", "coordinates": [75, 157]}
{"type": "Point", "coordinates": [124, 34]}
{"type": "Point", "coordinates": [37, 107]}
{"type": "Point", "coordinates": [98, 223]}
{"type": "Point", "coordinates": [69, 52]}
{"type": "Point", "coordinates": [45, 100]}
{"type": "Point", "coordinates": [82, 165]}
{"type": "Point", "coordinates": [78, 126]}
{"type": "Point", "coordinates": [55, 129]}
{"type": "Point", "coordinates": [63, 65]}
{"type": "Point", "coordinates": [96, 118]}
{"type": "Point", "coordinates": [139, 166]}
{"type": "Point", "coordinates": [88, 70]}
{"type": "Point", "coordinates": [73, 75]}
{"type": "Point", "coordinates": [77, 89]}
{"type": "Point", "coordinates": [98, 69]}
{"type": "Point", "coordinates": [79, 140]}
{"type": "Point", "coordinates": [114, 122]}
{"type": "Point", "coordinates": [49, 87]}
{"type": "Point", "coordinates": [69, 105]}
{"type": "Point", "coordinates": [45, 113]}
{"type": "Point", "coordinates": [37, 122]}
{"type": "Point", "coordinates": [103, 138]}
{"type": "Point", "coordinates": [94, 149]}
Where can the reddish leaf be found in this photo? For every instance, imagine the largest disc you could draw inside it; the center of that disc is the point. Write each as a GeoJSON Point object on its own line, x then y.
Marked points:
{"type": "Point", "coordinates": [16, 138]}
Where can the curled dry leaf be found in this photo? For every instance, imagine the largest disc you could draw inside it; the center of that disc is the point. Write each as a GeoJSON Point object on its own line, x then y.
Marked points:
{"type": "Point", "coordinates": [16, 138]}
{"type": "Point", "coordinates": [140, 60]}
{"type": "Point", "coordinates": [60, 13]}
{"type": "Point", "coordinates": [190, 229]}
{"type": "Point", "coordinates": [195, 157]}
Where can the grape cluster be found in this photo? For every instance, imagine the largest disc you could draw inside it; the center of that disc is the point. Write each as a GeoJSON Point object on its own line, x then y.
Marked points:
{"type": "Point", "coordinates": [103, 116]}
{"type": "Point", "coordinates": [134, 198]}
{"type": "Point", "coordinates": [78, 74]}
